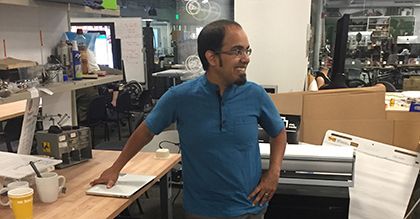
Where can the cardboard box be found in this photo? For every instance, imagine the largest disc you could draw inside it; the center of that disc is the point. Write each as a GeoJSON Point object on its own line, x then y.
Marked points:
{"type": "Point", "coordinates": [380, 130]}
{"type": "Point", "coordinates": [411, 83]}
{"type": "Point", "coordinates": [407, 134]}
{"type": "Point", "coordinates": [356, 111]}
{"type": "Point", "coordinates": [406, 129]}
{"type": "Point", "coordinates": [290, 103]}
{"type": "Point", "coordinates": [345, 104]}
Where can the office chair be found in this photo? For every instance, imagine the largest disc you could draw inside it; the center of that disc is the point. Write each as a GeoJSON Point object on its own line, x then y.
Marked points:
{"type": "Point", "coordinates": [131, 101]}
{"type": "Point", "coordinates": [12, 131]}
{"type": "Point", "coordinates": [97, 116]}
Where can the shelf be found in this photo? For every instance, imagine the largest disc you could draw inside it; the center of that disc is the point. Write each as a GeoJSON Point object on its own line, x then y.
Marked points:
{"type": "Point", "coordinates": [65, 86]}
{"type": "Point", "coordinates": [30, 3]}
{"type": "Point", "coordinates": [87, 10]}
{"type": "Point", "coordinates": [75, 8]}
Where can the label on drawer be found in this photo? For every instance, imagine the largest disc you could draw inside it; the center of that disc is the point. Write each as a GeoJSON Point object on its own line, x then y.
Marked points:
{"type": "Point", "coordinates": [62, 138]}
{"type": "Point", "coordinates": [62, 144]}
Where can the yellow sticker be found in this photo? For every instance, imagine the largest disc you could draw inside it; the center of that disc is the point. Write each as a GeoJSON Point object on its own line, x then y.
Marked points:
{"type": "Point", "coordinates": [46, 147]}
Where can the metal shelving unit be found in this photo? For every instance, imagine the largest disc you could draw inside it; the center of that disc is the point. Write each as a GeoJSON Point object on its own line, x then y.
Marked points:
{"type": "Point", "coordinates": [73, 8]}
{"type": "Point", "coordinates": [64, 86]}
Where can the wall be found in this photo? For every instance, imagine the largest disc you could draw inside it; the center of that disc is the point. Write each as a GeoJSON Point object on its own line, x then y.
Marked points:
{"type": "Point", "coordinates": [20, 28]}
{"type": "Point", "coordinates": [277, 31]}
{"type": "Point", "coordinates": [416, 13]}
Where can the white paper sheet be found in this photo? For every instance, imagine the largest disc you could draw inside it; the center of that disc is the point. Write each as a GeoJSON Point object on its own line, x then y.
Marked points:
{"type": "Point", "coordinates": [17, 166]}
{"type": "Point", "coordinates": [382, 187]}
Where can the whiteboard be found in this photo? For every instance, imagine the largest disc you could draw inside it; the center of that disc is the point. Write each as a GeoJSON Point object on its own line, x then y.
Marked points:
{"type": "Point", "coordinates": [130, 32]}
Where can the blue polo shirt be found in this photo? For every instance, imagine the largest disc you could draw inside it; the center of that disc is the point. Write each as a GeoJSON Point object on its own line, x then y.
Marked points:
{"type": "Point", "coordinates": [219, 142]}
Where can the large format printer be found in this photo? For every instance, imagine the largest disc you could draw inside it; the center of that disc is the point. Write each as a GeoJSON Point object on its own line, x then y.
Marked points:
{"type": "Point", "coordinates": [306, 164]}
{"type": "Point", "coordinates": [314, 181]}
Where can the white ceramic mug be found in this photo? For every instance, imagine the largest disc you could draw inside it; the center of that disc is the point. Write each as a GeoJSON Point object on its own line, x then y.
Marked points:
{"type": "Point", "coordinates": [13, 185]}
{"type": "Point", "coordinates": [49, 186]}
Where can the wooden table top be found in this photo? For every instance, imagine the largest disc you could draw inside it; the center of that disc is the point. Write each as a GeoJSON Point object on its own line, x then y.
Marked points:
{"type": "Point", "coordinates": [12, 110]}
{"type": "Point", "coordinates": [76, 204]}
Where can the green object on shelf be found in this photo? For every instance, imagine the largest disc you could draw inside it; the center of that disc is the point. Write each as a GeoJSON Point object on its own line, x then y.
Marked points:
{"type": "Point", "coordinates": [110, 4]}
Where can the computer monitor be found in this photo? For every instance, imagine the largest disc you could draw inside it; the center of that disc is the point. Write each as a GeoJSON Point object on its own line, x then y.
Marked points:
{"type": "Point", "coordinates": [338, 79]}
{"type": "Point", "coordinates": [107, 51]}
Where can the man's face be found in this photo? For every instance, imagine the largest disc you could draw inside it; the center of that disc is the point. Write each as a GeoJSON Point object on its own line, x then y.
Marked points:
{"type": "Point", "coordinates": [232, 66]}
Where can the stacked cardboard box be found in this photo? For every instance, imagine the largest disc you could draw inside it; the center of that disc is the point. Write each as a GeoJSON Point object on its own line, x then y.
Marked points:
{"type": "Point", "coordinates": [356, 111]}
{"type": "Point", "coordinates": [411, 83]}
{"type": "Point", "coordinates": [406, 129]}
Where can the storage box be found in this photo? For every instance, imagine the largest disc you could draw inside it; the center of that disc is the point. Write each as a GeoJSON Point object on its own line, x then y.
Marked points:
{"type": "Point", "coordinates": [290, 103]}
{"type": "Point", "coordinates": [411, 83]}
{"type": "Point", "coordinates": [380, 130]}
{"type": "Point", "coordinates": [406, 131]}
{"type": "Point", "coordinates": [344, 104]}
{"type": "Point", "coordinates": [356, 111]}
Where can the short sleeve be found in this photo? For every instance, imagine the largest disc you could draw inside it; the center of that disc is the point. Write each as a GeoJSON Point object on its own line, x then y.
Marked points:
{"type": "Point", "coordinates": [163, 114]}
{"type": "Point", "coordinates": [270, 119]}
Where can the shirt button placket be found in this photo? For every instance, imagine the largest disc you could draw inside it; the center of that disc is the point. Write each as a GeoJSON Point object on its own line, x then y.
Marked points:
{"type": "Point", "coordinates": [223, 120]}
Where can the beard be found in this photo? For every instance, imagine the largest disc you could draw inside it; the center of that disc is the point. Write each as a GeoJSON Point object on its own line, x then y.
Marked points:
{"type": "Point", "coordinates": [241, 80]}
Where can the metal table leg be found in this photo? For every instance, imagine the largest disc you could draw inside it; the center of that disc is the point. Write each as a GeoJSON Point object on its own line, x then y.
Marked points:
{"type": "Point", "coordinates": [165, 197]}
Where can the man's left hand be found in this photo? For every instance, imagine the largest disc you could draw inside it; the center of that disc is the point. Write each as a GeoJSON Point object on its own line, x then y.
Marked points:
{"type": "Point", "coordinates": [265, 189]}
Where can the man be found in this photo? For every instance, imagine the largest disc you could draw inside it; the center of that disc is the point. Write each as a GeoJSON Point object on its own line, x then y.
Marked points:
{"type": "Point", "coordinates": [217, 117]}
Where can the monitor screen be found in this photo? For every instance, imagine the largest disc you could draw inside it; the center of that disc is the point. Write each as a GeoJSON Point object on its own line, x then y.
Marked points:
{"type": "Point", "coordinates": [103, 48]}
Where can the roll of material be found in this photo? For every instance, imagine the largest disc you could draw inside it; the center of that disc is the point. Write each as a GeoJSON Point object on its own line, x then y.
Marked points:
{"type": "Point", "coordinates": [162, 153]}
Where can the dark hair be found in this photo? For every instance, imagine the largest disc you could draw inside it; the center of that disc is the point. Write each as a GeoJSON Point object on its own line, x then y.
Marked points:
{"type": "Point", "coordinates": [211, 38]}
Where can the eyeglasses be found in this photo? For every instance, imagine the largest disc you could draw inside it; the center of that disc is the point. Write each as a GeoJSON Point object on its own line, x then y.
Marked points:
{"type": "Point", "coordinates": [236, 52]}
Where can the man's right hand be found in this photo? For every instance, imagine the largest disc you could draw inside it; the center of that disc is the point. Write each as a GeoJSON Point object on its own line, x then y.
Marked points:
{"type": "Point", "coordinates": [108, 177]}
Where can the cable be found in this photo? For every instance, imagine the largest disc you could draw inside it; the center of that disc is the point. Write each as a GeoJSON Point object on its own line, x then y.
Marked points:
{"type": "Point", "coordinates": [412, 208]}
{"type": "Point", "coordinates": [176, 196]}
{"type": "Point", "coordinates": [170, 142]}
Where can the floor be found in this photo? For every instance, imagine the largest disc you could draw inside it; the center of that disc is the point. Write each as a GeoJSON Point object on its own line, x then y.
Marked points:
{"type": "Point", "coordinates": [150, 205]}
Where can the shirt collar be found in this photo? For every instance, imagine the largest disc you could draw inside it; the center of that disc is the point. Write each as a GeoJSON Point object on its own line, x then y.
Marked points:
{"type": "Point", "coordinates": [208, 84]}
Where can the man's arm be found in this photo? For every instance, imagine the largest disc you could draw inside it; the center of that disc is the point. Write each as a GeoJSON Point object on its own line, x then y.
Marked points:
{"type": "Point", "coordinates": [141, 136]}
{"type": "Point", "coordinates": [268, 183]}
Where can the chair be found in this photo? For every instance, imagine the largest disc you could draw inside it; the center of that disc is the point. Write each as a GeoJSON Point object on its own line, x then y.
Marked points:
{"type": "Point", "coordinates": [97, 116]}
{"type": "Point", "coordinates": [123, 111]}
{"type": "Point", "coordinates": [131, 101]}
{"type": "Point", "coordinates": [12, 131]}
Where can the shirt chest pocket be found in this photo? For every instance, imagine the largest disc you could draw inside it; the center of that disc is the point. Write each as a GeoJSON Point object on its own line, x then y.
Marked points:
{"type": "Point", "coordinates": [245, 131]}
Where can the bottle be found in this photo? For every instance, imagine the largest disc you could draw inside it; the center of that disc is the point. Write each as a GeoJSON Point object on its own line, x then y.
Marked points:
{"type": "Point", "coordinates": [77, 67]}
{"type": "Point", "coordinates": [63, 52]}
{"type": "Point", "coordinates": [81, 45]}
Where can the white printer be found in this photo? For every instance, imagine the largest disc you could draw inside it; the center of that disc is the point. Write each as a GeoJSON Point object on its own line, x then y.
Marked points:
{"type": "Point", "coordinates": [306, 164]}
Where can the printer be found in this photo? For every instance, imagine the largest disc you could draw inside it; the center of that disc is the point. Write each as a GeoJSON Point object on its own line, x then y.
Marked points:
{"type": "Point", "coordinates": [306, 164]}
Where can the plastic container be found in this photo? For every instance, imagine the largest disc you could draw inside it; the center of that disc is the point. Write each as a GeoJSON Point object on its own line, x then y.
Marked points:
{"type": "Point", "coordinates": [77, 67]}
{"type": "Point", "coordinates": [80, 39]}
{"type": "Point", "coordinates": [82, 48]}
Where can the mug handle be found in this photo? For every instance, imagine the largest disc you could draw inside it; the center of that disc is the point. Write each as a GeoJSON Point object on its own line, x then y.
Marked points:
{"type": "Point", "coordinates": [61, 183]}
{"type": "Point", "coordinates": [3, 190]}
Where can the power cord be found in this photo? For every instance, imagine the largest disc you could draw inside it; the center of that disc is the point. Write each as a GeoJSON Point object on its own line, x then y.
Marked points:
{"type": "Point", "coordinates": [176, 196]}
{"type": "Point", "coordinates": [170, 142]}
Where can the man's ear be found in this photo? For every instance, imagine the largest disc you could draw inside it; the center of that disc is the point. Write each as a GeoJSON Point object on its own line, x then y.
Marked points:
{"type": "Point", "coordinates": [211, 57]}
